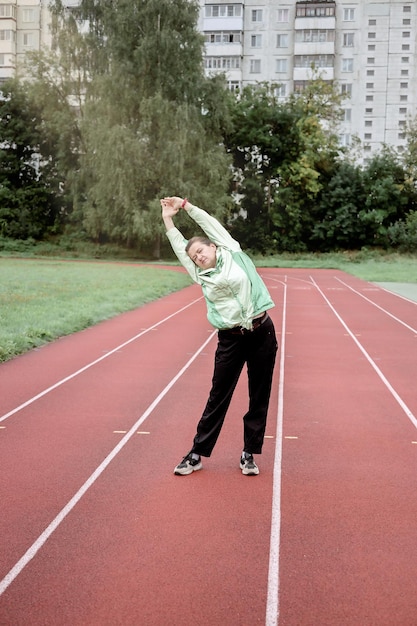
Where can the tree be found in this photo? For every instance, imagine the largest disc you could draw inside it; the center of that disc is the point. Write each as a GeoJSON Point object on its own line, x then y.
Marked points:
{"type": "Point", "coordinates": [336, 218]}
{"type": "Point", "coordinates": [163, 135]}
{"type": "Point", "coordinates": [283, 154]}
{"type": "Point", "coordinates": [387, 197]}
{"type": "Point", "coordinates": [30, 198]}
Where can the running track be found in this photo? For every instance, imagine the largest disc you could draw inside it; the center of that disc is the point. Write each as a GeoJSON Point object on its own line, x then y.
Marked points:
{"type": "Point", "coordinates": [97, 531]}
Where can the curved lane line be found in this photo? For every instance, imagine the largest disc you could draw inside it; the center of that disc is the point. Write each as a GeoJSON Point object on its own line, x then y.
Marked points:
{"type": "Point", "coordinates": [43, 537]}
{"type": "Point", "coordinates": [86, 367]}
{"type": "Point", "coordinates": [413, 330]}
{"type": "Point", "coordinates": [272, 603]}
{"type": "Point", "coordinates": [388, 385]}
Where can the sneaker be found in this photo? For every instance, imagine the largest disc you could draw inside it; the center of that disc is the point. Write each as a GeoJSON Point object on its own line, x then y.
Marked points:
{"type": "Point", "coordinates": [248, 466]}
{"type": "Point", "coordinates": [188, 465]}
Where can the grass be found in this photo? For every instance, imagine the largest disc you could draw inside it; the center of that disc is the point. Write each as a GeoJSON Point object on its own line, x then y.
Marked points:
{"type": "Point", "coordinates": [41, 300]}
{"type": "Point", "coordinates": [373, 266]}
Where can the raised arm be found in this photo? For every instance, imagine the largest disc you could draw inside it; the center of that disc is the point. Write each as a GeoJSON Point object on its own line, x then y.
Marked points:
{"type": "Point", "coordinates": [215, 231]}
{"type": "Point", "coordinates": [170, 207]}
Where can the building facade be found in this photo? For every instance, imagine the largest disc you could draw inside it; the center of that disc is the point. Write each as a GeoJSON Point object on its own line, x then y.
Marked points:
{"type": "Point", "coordinates": [24, 26]}
{"type": "Point", "coordinates": [367, 46]}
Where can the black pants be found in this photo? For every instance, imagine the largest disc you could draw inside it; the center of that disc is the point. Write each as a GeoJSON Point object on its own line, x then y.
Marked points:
{"type": "Point", "coordinates": [257, 349]}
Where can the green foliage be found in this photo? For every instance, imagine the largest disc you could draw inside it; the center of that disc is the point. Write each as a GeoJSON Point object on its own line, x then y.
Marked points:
{"type": "Point", "coordinates": [283, 153]}
{"type": "Point", "coordinates": [43, 300]}
{"type": "Point", "coordinates": [149, 122]}
{"type": "Point", "coordinates": [29, 185]}
{"type": "Point", "coordinates": [403, 233]}
{"type": "Point", "coordinates": [119, 114]}
{"type": "Point", "coordinates": [336, 223]}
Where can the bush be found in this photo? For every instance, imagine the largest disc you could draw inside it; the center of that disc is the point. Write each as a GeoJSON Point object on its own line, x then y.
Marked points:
{"type": "Point", "coordinates": [403, 234]}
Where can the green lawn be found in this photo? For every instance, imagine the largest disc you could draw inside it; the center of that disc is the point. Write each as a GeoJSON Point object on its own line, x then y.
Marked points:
{"type": "Point", "coordinates": [41, 300]}
{"type": "Point", "coordinates": [369, 265]}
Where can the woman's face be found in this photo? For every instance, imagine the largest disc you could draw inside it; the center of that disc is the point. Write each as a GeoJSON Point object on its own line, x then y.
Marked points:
{"type": "Point", "coordinates": [203, 255]}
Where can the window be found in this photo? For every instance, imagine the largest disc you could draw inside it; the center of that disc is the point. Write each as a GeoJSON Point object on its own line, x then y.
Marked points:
{"type": "Point", "coordinates": [407, 22]}
{"type": "Point", "coordinates": [402, 123]}
{"type": "Point", "coordinates": [222, 63]}
{"type": "Point", "coordinates": [405, 47]}
{"type": "Point", "coordinates": [223, 10]}
{"type": "Point", "coordinates": [7, 35]}
{"type": "Point", "coordinates": [405, 59]}
{"type": "Point", "coordinates": [371, 35]}
{"type": "Point", "coordinates": [370, 72]}
{"type": "Point", "coordinates": [346, 89]}
{"type": "Point", "coordinates": [403, 98]}
{"type": "Point", "coordinates": [318, 9]}
{"type": "Point", "coordinates": [406, 34]}
{"type": "Point", "coordinates": [28, 15]}
{"type": "Point", "coordinates": [282, 41]}
{"type": "Point", "coordinates": [347, 65]}
{"type": "Point", "coordinates": [233, 85]}
{"type": "Point", "coordinates": [347, 115]}
{"type": "Point", "coordinates": [313, 36]}
{"type": "Point", "coordinates": [371, 22]}
{"type": "Point", "coordinates": [404, 72]}
{"type": "Point", "coordinates": [280, 91]}
{"type": "Point", "coordinates": [368, 136]}
{"type": "Point", "coordinates": [257, 15]}
{"type": "Point", "coordinates": [28, 40]}
{"type": "Point", "coordinates": [255, 66]}
{"type": "Point", "coordinates": [2, 59]}
{"type": "Point", "coordinates": [256, 41]}
{"type": "Point", "coordinates": [316, 60]}
{"type": "Point", "coordinates": [348, 15]}
{"type": "Point", "coordinates": [344, 139]}
{"type": "Point", "coordinates": [8, 10]}
{"type": "Point", "coordinates": [369, 111]}
{"type": "Point", "coordinates": [371, 47]}
{"type": "Point", "coordinates": [281, 66]}
{"type": "Point", "coordinates": [369, 85]}
{"type": "Point", "coordinates": [368, 123]}
{"type": "Point", "coordinates": [407, 9]}
{"type": "Point", "coordinates": [370, 60]}
{"type": "Point", "coordinates": [283, 15]}
{"type": "Point", "coordinates": [369, 98]}
{"type": "Point", "coordinates": [222, 37]}
{"type": "Point", "coordinates": [404, 85]}
{"type": "Point", "coordinates": [348, 40]}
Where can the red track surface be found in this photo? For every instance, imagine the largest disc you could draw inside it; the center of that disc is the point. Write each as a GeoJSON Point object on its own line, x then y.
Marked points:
{"type": "Point", "coordinates": [96, 530]}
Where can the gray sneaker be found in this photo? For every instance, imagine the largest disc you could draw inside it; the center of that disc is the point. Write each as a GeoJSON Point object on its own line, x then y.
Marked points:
{"type": "Point", "coordinates": [188, 465]}
{"type": "Point", "coordinates": [248, 466]}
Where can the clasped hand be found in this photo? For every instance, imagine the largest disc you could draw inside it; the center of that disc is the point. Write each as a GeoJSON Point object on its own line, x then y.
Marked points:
{"type": "Point", "coordinates": [170, 206]}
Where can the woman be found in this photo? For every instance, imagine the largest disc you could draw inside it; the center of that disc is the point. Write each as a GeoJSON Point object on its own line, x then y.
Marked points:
{"type": "Point", "coordinates": [237, 304]}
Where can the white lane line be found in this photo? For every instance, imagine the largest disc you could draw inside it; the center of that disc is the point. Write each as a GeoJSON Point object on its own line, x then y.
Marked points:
{"type": "Point", "coordinates": [413, 330]}
{"type": "Point", "coordinates": [272, 602]}
{"type": "Point", "coordinates": [86, 367]}
{"type": "Point", "coordinates": [37, 545]}
{"type": "Point", "coordinates": [388, 385]}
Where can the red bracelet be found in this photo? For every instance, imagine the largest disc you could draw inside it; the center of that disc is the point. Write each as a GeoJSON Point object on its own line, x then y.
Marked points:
{"type": "Point", "coordinates": [184, 202]}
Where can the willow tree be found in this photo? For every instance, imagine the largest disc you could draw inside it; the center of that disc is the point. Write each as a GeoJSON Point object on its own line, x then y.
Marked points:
{"type": "Point", "coordinates": [148, 122]}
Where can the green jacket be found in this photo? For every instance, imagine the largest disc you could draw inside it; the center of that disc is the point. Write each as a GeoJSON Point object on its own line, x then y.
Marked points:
{"type": "Point", "coordinates": [233, 290]}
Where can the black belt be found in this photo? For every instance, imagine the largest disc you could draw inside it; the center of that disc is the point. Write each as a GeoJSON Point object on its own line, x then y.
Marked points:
{"type": "Point", "coordinates": [239, 330]}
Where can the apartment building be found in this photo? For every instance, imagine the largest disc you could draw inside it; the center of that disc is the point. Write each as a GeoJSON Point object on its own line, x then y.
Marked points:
{"type": "Point", "coordinates": [367, 46]}
{"type": "Point", "coordinates": [24, 26]}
